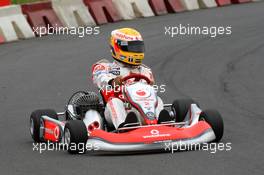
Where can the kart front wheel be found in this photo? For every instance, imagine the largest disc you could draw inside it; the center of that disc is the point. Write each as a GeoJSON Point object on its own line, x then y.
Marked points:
{"type": "Point", "coordinates": [36, 122]}
{"type": "Point", "coordinates": [75, 136]}
{"type": "Point", "coordinates": [215, 120]}
{"type": "Point", "coordinates": [180, 108]}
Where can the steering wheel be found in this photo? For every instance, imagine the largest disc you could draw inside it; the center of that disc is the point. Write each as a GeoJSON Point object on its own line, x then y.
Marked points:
{"type": "Point", "coordinates": [137, 77]}
{"type": "Point", "coordinates": [119, 89]}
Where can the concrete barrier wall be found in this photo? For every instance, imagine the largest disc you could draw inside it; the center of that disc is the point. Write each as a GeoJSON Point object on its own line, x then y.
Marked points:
{"type": "Point", "coordinates": [130, 9]}
{"type": "Point", "coordinates": [223, 2]}
{"type": "Point", "coordinates": [161, 7]}
{"type": "Point", "coordinates": [207, 3]}
{"type": "Point", "coordinates": [40, 15]}
{"type": "Point", "coordinates": [103, 11]}
{"type": "Point", "coordinates": [2, 39]}
{"type": "Point", "coordinates": [73, 13]}
{"type": "Point", "coordinates": [190, 4]}
{"type": "Point", "coordinates": [13, 24]}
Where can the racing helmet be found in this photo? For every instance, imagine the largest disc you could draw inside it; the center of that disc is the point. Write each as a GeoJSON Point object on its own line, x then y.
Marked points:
{"type": "Point", "coordinates": [127, 46]}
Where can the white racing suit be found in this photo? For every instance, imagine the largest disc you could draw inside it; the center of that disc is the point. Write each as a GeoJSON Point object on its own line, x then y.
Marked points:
{"type": "Point", "coordinates": [103, 72]}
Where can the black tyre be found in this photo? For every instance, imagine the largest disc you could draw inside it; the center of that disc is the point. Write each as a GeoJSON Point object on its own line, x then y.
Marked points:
{"type": "Point", "coordinates": [215, 120]}
{"type": "Point", "coordinates": [90, 97]}
{"type": "Point", "coordinates": [35, 122]}
{"type": "Point", "coordinates": [180, 108]}
{"type": "Point", "coordinates": [75, 136]}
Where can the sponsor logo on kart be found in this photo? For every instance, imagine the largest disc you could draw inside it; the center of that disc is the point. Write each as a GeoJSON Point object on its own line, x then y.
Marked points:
{"type": "Point", "coordinates": [156, 133]}
{"type": "Point", "coordinates": [150, 115]}
{"type": "Point", "coordinates": [48, 130]}
{"type": "Point", "coordinates": [113, 111]}
{"type": "Point", "coordinates": [147, 103]}
{"type": "Point", "coordinates": [143, 99]}
{"type": "Point", "coordinates": [148, 108]}
{"type": "Point", "coordinates": [141, 93]}
{"type": "Point", "coordinates": [55, 131]}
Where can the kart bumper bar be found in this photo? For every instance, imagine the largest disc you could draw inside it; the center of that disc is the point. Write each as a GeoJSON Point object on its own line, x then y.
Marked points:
{"type": "Point", "coordinates": [169, 145]}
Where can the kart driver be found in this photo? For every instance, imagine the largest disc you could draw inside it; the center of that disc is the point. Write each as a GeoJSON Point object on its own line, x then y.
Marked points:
{"type": "Point", "coordinates": [127, 48]}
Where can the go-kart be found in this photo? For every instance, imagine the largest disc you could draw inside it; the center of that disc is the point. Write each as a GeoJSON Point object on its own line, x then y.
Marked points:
{"type": "Point", "coordinates": [84, 122]}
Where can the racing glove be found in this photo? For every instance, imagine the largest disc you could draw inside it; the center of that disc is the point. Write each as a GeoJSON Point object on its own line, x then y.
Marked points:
{"type": "Point", "coordinates": [116, 81]}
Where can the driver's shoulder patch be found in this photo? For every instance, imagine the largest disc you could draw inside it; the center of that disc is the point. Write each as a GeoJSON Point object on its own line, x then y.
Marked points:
{"type": "Point", "coordinates": [115, 70]}
{"type": "Point", "coordinates": [99, 69]}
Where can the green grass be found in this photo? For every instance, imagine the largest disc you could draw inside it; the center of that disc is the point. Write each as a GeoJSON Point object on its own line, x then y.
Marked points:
{"type": "Point", "coordinates": [25, 1]}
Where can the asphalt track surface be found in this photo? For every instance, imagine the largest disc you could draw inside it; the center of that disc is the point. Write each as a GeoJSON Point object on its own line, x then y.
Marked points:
{"type": "Point", "coordinates": [224, 73]}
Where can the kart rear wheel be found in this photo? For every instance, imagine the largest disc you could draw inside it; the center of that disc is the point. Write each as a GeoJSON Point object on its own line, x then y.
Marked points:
{"type": "Point", "coordinates": [82, 102]}
{"type": "Point", "coordinates": [35, 122]}
{"type": "Point", "coordinates": [215, 120]}
{"type": "Point", "coordinates": [75, 136]}
{"type": "Point", "coordinates": [180, 108]}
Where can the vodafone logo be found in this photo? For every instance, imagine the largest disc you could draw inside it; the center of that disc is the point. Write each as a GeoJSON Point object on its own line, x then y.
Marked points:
{"type": "Point", "coordinates": [122, 36]}
{"type": "Point", "coordinates": [127, 37]}
{"type": "Point", "coordinates": [57, 132]}
{"type": "Point", "coordinates": [141, 93]}
{"type": "Point", "coordinates": [154, 132]}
